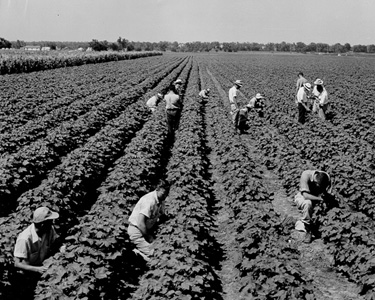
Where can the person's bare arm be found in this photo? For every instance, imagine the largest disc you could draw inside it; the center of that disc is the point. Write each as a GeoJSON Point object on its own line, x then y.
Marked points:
{"type": "Point", "coordinates": [308, 196]}
{"type": "Point", "coordinates": [23, 264]}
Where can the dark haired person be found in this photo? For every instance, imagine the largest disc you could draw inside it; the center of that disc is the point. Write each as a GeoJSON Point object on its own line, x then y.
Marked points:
{"type": "Point", "coordinates": [143, 218]}
{"type": "Point", "coordinates": [315, 186]}
{"type": "Point", "coordinates": [321, 99]}
{"type": "Point", "coordinates": [300, 82]}
{"type": "Point", "coordinates": [173, 108]}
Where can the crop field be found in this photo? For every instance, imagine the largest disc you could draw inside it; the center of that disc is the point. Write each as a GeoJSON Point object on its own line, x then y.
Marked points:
{"type": "Point", "coordinates": [81, 141]}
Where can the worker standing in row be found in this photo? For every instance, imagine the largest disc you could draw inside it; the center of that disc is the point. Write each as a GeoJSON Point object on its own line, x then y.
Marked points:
{"type": "Point", "coordinates": [173, 106]}
{"type": "Point", "coordinates": [302, 102]}
{"type": "Point", "coordinates": [233, 101]}
{"type": "Point", "coordinates": [320, 99]}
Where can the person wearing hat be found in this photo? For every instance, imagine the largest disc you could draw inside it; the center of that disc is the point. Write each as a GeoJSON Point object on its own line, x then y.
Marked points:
{"type": "Point", "coordinates": [36, 242]}
{"type": "Point", "coordinates": [302, 102]}
{"type": "Point", "coordinates": [204, 93]}
{"type": "Point", "coordinates": [154, 101]}
{"type": "Point", "coordinates": [300, 82]}
{"type": "Point", "coordinates": [144, 217]}
{"type": "Point", "coordinates": [178, 85]}
{"type": "Point", "coordinates": [315, 186]}
{"type": "Point", "coordinates": [173, 108]}
{"type": "Point", "coordinates": [257, 103]}
{"type": "Point", "coordinates": [321, 98]}
{"type": "Point", "coordinates": [233, 101]}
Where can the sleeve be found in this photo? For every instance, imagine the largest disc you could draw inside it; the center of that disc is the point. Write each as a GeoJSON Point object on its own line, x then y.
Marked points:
{"type": "Point", "coordinates": [304, 182]}
{"type": "Point", "coordinates": [21, 249]}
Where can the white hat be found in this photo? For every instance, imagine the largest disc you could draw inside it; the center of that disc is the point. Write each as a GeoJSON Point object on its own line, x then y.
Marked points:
{"type": "Point", "coordinates": [43, 213]}
{"type": "Point", "coordinates": [307, 86]}
{"type": "Point", "coordinates": [259, 96]}
{"type": "Point", "coordinates": [178, 81]}
{"type": "Point", "coordinates": [318, 82]}
{"type": "Point", "coordinates": [238, 82]}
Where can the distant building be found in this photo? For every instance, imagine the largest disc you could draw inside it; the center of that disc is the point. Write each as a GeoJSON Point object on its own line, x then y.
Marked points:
{"type": "Point", "coordinates": [32, 48]}
{"type": "Point", "coordinates": [89, 49]}
{"type": "Point", "coordinates": [46, 48]}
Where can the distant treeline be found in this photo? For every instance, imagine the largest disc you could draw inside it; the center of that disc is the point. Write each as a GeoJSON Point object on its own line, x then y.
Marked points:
{"type": "Point", "coordinates": [124, 44]}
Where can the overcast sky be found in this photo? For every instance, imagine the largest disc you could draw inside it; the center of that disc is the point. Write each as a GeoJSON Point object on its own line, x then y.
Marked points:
{"type": "Point", "coordinates": [263, 21]}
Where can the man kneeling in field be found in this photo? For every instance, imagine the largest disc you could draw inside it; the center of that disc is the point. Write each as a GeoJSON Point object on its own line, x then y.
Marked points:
{"type": "Point", "coordinates": [315, 186]}
{"type": "Point", "coordinates": [144, 217]}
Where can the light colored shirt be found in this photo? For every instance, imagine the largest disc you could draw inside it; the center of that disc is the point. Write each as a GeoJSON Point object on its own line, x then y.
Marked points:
{"type": "Point", "coordinates": [301, 95]}
{"type": "Point", "coordinates": [233, 94]}
{"type": "Point", "coordinates": [323, 96]}
{"type": "Point", "coordinates": [173, 101]}
{"type": "Point", "coordinates": [148, 206]}
{"type": "Point", "coordinates": [203, 94]}
{"type": "Point", "coordinates": [252, 102]}
{"type": "Point", "coordinates": [151, 103]}
{"type": "Point", "coordinates": [307, 183]}
{"type": "Point", "coordinates": [33, 248]}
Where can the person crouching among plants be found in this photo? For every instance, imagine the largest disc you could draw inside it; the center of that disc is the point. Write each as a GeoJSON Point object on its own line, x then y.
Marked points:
{"type": "Point", "coordinates": [33, 246]}
{"type": "Point", "coordinates": [143, 219]}
{"type": "Point", "coordinates": [315, 186]}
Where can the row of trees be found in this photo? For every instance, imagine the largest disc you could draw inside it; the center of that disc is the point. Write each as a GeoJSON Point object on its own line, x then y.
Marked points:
{"type": "Point", "coordinates": [124, 44]}
{"type": "Point", "coordinates": [229, 47]}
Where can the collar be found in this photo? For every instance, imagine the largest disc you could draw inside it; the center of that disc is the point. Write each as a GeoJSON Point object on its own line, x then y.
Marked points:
{"type": "Point", "coordinates": [34, 235]}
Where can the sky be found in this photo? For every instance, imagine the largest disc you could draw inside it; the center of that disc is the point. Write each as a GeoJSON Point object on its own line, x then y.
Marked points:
{"type": "Point", "coordinates": [262, 21]}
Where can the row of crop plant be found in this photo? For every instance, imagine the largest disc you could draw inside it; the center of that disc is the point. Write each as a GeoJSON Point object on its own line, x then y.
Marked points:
{"type": "Point", "coordinates": [70, 187]}
{"type": "Point", "coordinates": [38, 127]}
{"type": "Point", "coordinates": [183, 266]}
{"type": "Point", "coordinates": [24, 169]}
{"type": "Point", "coordinates": [319, 142]}
{"type": "Point", "coordinates": [269, 266]}
{"type": "Point", "coordinates": [99, 257]}
{"type": "Point", "coordinates": [28, 63]}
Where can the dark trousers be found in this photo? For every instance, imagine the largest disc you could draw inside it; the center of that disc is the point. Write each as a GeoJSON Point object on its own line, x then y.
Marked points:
{"type": "Point", "coordinates": [301, 113]}
{"type": "Point", "coordinates": [173, 116]}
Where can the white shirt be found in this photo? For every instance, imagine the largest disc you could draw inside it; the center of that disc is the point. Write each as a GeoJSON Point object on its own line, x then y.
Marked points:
{"type": "Point", "coordinates": [148, 206]}
{"type": "Point", "coordinates": [152, 102]}
{"type": "Point", "coordinates": [323, 96]}
{"type": "Point", "coordinates": [33, 248]}
{"type": "Point", "coordinates": [203, 94]}
{"type": "Point", "coordinates": [301, 95]}
{"type": "Point", "coordinates": [232, 94]}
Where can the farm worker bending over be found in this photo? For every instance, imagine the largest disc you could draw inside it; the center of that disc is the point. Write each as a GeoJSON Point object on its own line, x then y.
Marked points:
{"type": "Point", "coordinates": [300, 82]}
{"type": "Point", "coordinates": [173, 108]}
{"type": "Point", "coordinates": [321, 99]}
{"type": "Point", "coordinates": [256, 103]}
{"type": "Point", "coordinates": [315, 185]}
{"type": "Point", "coordinates": [144, 217]}
{"type": "Point", "coordinates": [233, 101]}
{"type": "Point", "coordinates": [204, 93]}
{"type": "Point", "coordinates": [302, 102]}
{"type": "Point", "coordinates": [154, 101]}
{"type": "Point", "coordinates": [35, 244]}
